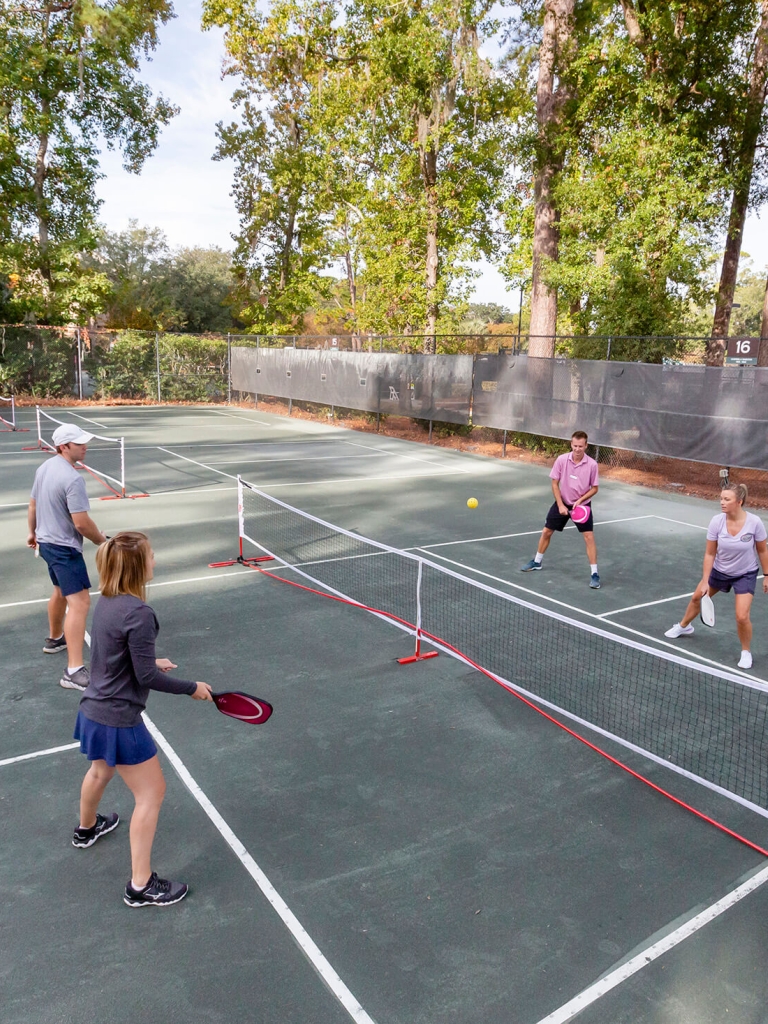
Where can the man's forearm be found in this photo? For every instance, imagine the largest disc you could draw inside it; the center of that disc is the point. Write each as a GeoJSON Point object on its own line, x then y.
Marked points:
{"type": "Point", "coordinates": [88, 529]}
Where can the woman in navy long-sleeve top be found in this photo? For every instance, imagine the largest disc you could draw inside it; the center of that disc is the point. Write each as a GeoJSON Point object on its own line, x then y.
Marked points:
{"type": "Point", "coordinates": [109, 724]}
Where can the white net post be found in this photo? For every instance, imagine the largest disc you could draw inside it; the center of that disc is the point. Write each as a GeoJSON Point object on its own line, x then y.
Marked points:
{"type": "Point", "coordinates": [10, 407]}
{"type": "Point", "coordinates": [122, 467]}
{"type": "Point", "coordinates": [41, 442]}
{"type": "Point", "coordinates": [240, 515]}
{"type": "Point", "coordinates": [418, 608]}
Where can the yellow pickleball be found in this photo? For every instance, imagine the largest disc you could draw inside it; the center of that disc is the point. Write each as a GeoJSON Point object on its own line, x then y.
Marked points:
{"type": "Point", "coordinates": [472, 503]}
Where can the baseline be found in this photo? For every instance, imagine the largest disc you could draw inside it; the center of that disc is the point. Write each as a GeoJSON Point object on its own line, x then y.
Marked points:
{"type": "Point", "coordinates": [620, 974]}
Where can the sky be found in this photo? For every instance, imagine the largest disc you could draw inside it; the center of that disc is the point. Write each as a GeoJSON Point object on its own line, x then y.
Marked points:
{"type": "Point", "coordinates": [187, 194]}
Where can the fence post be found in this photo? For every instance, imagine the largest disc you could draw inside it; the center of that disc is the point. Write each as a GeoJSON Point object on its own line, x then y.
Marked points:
{"type": "Point", "coordinates": [79, 365]}
{"type": "Point", "coordinates": [229, 369]}
{"type": "Point", "coordinates": [430, 432]}
{"type": "Point", "coordinates": [504, 446]}
{"type": "Point", "coordinates": [608, 351]}
{"type": "Point", "coordinates": [157, 364]}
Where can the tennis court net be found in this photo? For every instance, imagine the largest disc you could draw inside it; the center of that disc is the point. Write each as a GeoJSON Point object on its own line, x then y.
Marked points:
{"type": "Point", "coordinates": [104, 460]}
{"type": "Point", "coordinates": [708, 725]}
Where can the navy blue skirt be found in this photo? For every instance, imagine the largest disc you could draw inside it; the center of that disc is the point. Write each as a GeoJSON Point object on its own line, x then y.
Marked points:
{"type": "Point", "coordinates": [115, 745]}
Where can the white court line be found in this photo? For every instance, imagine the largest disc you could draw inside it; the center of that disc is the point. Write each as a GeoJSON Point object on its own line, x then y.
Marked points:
{"type": "Point", "coordinates": [315, 483]}
{"type": "Point", "coordinates": [526, 533]}
{"type": "Point", "coordinates": [194, 490]}
{"type": "Point", "coordinates": [693, 526]}
{"type": "Point", "coordinates": [243, 419]}
{"type": "Point", "coordinates": [402, 455]}
{"type": "Point", "coordinates": [236, 444]}
{"type": "Point", "coordinates": [154, 583]}
{"type": "Point", "coordinates": [87, 419]}
{"type": "Point", "coordinates": [16, 504]}
{"type": "Point", "coordinates": [649, 604]}
{"type": "Point", "coordinates": [281, 908]}
{"type": "Point", "coordinates": [302, 458]}
{"type": "Point", "coordinates": [646, 604]}
{"type": "Point", "coordinates": [593, 615]}
{"type": "Point", "coordinates": [37, 753]}
{"type": "Point", "coordinates": [610, 981]}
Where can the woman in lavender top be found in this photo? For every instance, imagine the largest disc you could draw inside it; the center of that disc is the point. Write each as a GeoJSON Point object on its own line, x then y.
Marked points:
{"type": "Point", "coordinates": [736, 548]}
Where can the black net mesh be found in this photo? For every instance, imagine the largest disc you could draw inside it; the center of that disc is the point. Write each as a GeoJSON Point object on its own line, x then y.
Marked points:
{"type": "Point", "coordinates": [710, 724]}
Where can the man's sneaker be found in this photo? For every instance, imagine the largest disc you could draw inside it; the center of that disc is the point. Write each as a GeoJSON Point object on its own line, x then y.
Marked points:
{"type": "Point", "coordinates": [52, 646]}
{"type": "Point", "coordinates": [85, 837]}
{"type": "Point", "coordinates": [530, 566]}
{"type": "Point", "coordinates": [158, 892]}
{"type": "Point", "coordinates": [594, 581]}
{"type": "Point", "coordinates": [678, 630]}
{"type": "Point", "coordinates": [77, 680]}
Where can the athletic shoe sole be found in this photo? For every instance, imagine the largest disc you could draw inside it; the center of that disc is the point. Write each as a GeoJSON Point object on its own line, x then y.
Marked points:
{"type": "Point", "coordinates": [153, 903]}
{"type": "Point", "coordinates": [54, 650]}
{"type": "Point", "coordinates": [68, 684]}
{"type": "Point", "coordinates": [95, 838]}
{"type": "Point", "coordinates": [532, 568]}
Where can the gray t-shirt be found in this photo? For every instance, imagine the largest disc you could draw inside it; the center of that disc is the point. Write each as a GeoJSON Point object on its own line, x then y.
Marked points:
{"type": "Point", "coordinates": [59, 490]}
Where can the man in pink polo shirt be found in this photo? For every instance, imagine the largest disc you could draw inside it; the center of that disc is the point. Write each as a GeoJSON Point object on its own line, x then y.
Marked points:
{"type": "Point", "coordinates": [574, 482]}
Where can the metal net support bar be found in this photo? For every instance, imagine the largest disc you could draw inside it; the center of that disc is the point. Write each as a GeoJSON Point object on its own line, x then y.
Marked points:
{"type": "Point", "coordinates": [707, 725]}
{"type": "Point", "coordinates": [8, 405]}
{"type": "Point", "coordinates": [108, 455]}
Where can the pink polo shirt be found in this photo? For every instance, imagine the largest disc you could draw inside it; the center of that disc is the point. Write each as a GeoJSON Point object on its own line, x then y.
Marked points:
{"type": "Point", "coordinates": [574, 478]}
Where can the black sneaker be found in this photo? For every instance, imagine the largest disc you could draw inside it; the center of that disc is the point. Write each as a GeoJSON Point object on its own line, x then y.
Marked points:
{"type": "Point", "coordinates": [52, 646]}
{"type": "Point", "coordinates": [77, 680]}
{"type": "Point", "coordinates": [158, 892]}
{"type": "Point", "coordinates": [85, 837]}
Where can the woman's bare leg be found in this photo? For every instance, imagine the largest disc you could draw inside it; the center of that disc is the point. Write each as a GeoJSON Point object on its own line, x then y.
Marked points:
{"type": "Point", "coordinates": [147, 784]}
{"type": "Point", "coordinates": [743, 621]}
{"type": "Point", "coordinates": [694, 607]}
{"type": "Point", "coordinates": [92, 790]}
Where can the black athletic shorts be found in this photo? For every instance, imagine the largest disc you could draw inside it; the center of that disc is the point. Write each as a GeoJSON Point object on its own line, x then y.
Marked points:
{"type": "Point", "coordinates": [558, 523]}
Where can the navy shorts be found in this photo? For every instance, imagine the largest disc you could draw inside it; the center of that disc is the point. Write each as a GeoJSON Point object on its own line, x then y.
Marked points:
{"type": "Point", "coordinates": [66, 567]}
{"type": "Point", "coordinates": [558, 523]}
{"type": "Point", "coordinates": [741, 584]}
{"type": "Point", "coordinates": [116, 745]}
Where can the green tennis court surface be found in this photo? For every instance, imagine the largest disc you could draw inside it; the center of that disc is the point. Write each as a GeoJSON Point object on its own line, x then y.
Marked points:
{"type": "Point", "coordinates": [412, 843]}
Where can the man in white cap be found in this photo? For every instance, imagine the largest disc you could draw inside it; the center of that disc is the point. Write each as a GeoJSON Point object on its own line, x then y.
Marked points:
{"type": "Point", "coordinates": [58, 520]}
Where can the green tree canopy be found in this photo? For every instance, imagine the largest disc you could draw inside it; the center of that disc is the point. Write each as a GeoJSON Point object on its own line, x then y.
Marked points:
{"type": "Point", "coordinates": [69, 78]}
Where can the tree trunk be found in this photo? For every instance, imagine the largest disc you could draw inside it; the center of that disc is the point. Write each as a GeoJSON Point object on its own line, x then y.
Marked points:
{"type": "Point", "coordinates": [550, 96]}
{"type": "Point", "coordinates": [762, 355]}
{"type": "Point", "coordinates": [745, 162]}
{"type": "Point", "coordinates": [285, 256]}
{"type": "Point", "coordinates": [428, 159]}
{"type": "Point", "coordinates": [38, 186]}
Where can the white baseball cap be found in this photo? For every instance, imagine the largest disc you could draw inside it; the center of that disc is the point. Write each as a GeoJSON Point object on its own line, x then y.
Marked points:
{"type": "Point", "coordinates": [70, 433]}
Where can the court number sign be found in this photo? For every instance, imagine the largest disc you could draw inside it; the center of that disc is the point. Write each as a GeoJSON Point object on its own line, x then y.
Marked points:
{"type": "Point", "coordinates": [742, 350]}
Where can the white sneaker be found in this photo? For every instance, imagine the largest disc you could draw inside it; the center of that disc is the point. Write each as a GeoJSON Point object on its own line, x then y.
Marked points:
{"type": "Point", "coordinates": [745, 661]}
{"type": "Point", "coordinates": [678, 630]}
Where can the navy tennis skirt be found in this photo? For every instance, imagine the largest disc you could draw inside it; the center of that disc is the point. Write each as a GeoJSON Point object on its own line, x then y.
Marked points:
{"type": "Point", "coordinates": [115, 745]}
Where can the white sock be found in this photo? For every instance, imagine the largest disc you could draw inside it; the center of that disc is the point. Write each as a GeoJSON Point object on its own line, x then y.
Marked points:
{"type": "Point", "coordinates": [538, 557]}
{"type": "Point", "coordinates": [593, 568]}
{"type": "Point", "coordinates": [75, 669]}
